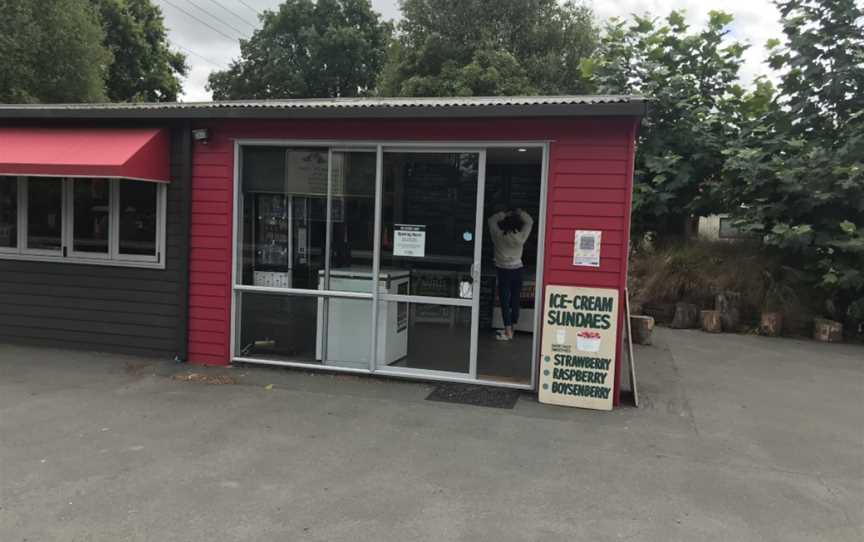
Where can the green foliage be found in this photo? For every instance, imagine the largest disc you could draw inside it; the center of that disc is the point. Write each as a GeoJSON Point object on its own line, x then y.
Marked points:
{"type": "Point", "coordinates": [144, 68]}
{"type": "Point", "coordinates": [52, 51]}
{"type": "Point", "coordinates": [695, 271]}
{"type": "Point", "coordinates": [86, 51]}
{"type": "Point", "coordinates": [691, 78]}
{"type": "Point", "coordinates": [796, 173]}
{"type": "Point", "coordinates": [308, 49]}
{"type": "Point", "coordinates": [488, 47]}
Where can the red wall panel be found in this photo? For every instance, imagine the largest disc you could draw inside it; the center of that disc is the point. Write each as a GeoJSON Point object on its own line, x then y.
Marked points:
{"type": "Point", "coordinates": [589, 187]}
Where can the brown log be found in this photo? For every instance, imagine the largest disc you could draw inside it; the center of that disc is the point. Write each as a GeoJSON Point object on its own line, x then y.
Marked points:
{"type": "Point", "coordinates": [642, 328]}
{"type": "Point", "coordinates": [828, 331]}
{"type": "Point", "coordinates": [711, 321]}
{"type": "Point", "coordinates": [686, 316]}
{"type": "Point", "coordinates": [771, 324]}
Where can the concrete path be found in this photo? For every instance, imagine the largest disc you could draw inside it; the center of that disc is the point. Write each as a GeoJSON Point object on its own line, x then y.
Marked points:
{"type": "Point", "coordinates": [741, 438]}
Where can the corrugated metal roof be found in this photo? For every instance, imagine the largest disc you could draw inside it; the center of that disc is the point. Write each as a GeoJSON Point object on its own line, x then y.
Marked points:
{"type": "Point", "coordinates": [347, 107]}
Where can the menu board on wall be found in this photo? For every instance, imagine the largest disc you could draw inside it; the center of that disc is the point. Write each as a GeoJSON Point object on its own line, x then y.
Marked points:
{"type": "Point", "coordinates": [307, 174]}
{"type": "Point", "coordinates": [577, 355]}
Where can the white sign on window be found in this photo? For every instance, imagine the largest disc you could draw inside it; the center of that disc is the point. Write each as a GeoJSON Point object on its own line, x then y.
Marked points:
{"type": "Point", "coordinates": [409, 240]}
{"type": "Point", "coordinates": [586, 248]}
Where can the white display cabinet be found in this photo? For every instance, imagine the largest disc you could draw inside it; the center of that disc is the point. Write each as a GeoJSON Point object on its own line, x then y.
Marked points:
{"type": "Point", "coordinates": [348, 331]}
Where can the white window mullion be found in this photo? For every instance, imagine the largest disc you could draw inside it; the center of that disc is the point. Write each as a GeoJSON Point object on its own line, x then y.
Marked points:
{"type": "Point", "coordinates": [22, 214]}
{"type": "Point", "coordinates": [161, 222]}
{"type": "Point", "coordinates": [67, 230]}
{"type": "Point", "coordinates": [114, 220]}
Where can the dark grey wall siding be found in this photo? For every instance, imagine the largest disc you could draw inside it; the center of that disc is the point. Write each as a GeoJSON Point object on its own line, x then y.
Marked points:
{"type": "Point", "coordinates": [105, 308]}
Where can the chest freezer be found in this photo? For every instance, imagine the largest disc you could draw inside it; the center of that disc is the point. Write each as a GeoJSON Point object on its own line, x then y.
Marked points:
{"type": "Point", "coordinates": [348, 332]}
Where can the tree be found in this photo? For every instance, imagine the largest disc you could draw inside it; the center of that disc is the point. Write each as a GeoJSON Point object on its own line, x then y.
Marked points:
{"type": "Point", "coordinates": [144, 67]}
{"type": "Point", "coordinates": [795, 176]}
{"type": "Point", "coordinates": [691, 78]}
{"type": "Point", "coordinates": [308, 49]}
{"type": "Point", "coordinates": [52, 51]}
{"type": "Point", "coordinates": [488, 47]}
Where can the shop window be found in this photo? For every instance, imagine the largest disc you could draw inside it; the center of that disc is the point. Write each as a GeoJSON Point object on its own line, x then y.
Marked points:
{"type": "Point", "coordinates": [138, 219]}
{"type": "Point", "coordinates": [91, 215]}
{"type": "Point", "coordinates": [286, 227]}
{"type": "Point", "coordinates": [323, 330]}
{"type": "Point", "coordinates": [97, 221]}
{"type": "Point", "coordinates": [44, 215]}
{"type": "Point", "coordinates": [8, 214]}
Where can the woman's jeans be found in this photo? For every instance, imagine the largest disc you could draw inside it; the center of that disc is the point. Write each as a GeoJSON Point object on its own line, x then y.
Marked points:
{"type": "Point", "coordinates": [509, 289]}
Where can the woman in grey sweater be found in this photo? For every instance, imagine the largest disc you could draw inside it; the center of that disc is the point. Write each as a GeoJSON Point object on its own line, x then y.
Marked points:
{"type": "Point", "coordinates": [509, 230]}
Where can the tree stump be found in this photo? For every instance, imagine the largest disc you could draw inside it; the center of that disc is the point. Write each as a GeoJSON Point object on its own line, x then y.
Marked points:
{"type": "Point", "coordinates": [728, 304]}
{"type": "Point", "coordinates": [711, 321]}
{"type": "Point", "coordinates": [641, 327]}
{"type": "Point", "coordinates": [827, 331]}
{"type": "Point", "coordinates": [686, 316]}
{"type": "Point", "coordinates": [771, 324]}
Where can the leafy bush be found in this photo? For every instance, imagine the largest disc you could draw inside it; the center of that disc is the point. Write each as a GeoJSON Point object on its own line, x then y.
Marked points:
{"type": "Point", "coordinates": [696, 271]}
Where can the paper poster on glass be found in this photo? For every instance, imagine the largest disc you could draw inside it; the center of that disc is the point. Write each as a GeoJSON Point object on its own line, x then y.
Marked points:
{"type": "Point", "coordinates": [586, 248]}
{"type": "Point", "coordinates": [409, 240]}
{"type": "Point", "coordinates": [307, 173]}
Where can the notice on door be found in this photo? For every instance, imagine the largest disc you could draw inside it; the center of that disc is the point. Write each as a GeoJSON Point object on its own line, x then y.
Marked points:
{"type": "Point", "coordinates": [409, 240]}
{"type": "Point", "coordinates": [577, 355]}
{"type": "Point", "coordinates": [586, 248]}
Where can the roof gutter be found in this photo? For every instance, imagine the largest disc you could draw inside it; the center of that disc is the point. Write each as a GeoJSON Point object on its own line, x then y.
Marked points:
{"type": "Point", "coordinates": [633, 108]}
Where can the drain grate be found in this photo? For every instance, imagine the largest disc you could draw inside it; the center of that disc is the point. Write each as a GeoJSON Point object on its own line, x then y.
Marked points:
{"type": "Point", "coordinates": [472, 394]}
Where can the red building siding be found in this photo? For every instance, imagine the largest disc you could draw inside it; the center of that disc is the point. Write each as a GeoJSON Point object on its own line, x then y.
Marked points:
{"type": "Point", "coordinates": [589, 187]}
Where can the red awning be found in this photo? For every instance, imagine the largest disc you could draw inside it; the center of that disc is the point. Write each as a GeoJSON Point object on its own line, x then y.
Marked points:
{"type": "Point", "coordinates": [131, 153]}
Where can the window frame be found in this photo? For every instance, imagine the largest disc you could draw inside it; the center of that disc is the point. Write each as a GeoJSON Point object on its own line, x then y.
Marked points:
{"type": "Point", "coordinates": [69, 221]}
{"type": "Point", "coordinates": [24, 226]}
{"type": "Point", "coordinates": [161, 220]}
{"type": "Point", "coordinates": [67, 253]}
{"type": "Point", "coordinates": [4, 251]}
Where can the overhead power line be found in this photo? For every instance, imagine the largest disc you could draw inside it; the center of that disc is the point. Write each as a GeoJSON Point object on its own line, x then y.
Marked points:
{"type": "Point", "coordinates": [205, 23]}
{"type": "Point", "coordinates": [232, 27]}
{"type": "Point", "coordinates": [202, 57]}
{"type": "Point", "coordinates": [233, 13]}
{"type": "Point", "coordinates": [250, 8]}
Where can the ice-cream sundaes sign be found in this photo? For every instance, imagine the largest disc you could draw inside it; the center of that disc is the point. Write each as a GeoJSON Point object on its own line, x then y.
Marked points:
{"type": "Point", "coordinates": [577, 356]}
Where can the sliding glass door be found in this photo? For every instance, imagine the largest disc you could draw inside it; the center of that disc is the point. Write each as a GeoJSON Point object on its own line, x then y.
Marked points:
{"type": "Point", "coordinates": [428, 252]}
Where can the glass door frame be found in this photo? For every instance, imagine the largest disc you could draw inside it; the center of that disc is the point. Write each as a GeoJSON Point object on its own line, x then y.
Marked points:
{"type": "Point", "coordinates": [380, 147]}
{"type": "Point", "coordinates": [473, 303]}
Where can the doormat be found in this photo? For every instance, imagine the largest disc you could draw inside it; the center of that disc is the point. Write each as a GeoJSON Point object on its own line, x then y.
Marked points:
{"type": "Point", "coordinates": [472, 394]}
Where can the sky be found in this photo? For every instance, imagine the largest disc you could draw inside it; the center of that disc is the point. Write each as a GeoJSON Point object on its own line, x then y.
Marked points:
{"type": "Point", "coordinates": [207, 31]}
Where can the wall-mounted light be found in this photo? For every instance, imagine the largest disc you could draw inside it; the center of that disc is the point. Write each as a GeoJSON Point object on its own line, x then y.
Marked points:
{"type": "Point", "coordinates": [522, 149]}
{"type": "Point", "coordinates": [201, 134]}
